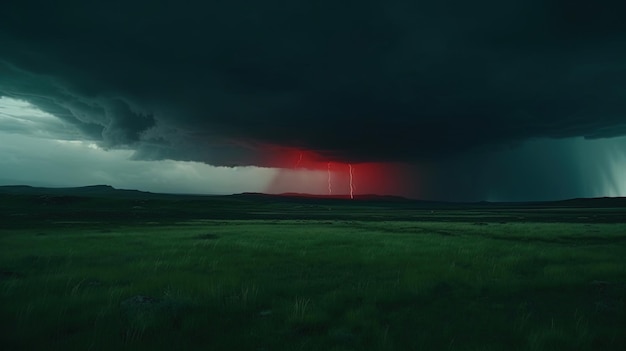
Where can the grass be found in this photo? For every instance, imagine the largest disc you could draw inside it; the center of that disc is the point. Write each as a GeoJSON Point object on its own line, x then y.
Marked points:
{"type": "Point", "coordinates": [469, 281]}
{"type": "Point", "coordinates": [310, 285]}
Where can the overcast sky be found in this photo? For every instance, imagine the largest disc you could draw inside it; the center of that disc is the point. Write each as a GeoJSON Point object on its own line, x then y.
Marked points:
{"type": "Point", "coordinates": [445, 100]}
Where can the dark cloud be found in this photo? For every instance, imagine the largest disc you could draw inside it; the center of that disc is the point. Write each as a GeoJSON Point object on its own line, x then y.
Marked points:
{"type": "Point", "coordinates": [230, 82]}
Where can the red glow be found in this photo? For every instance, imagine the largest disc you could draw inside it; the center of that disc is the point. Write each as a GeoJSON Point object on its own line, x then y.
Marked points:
{"type": "Point", "coordinates": [318, 176]}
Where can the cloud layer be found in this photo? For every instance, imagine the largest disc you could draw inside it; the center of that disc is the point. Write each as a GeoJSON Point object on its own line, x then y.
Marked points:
{"type": "Point", "coordinates": [239, 82]}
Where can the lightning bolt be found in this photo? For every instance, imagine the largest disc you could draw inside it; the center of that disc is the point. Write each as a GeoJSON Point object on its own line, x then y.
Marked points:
{"type": "Point", "coordinates": [330, 185]}
{"type": "Point", "coordinates": [299, 161]}
{"type": "Point", "coordinates": [351, 182]}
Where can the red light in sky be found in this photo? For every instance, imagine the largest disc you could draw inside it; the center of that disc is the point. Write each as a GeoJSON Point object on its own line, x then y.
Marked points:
{"type": "Point", "coordinates": [313, 174]}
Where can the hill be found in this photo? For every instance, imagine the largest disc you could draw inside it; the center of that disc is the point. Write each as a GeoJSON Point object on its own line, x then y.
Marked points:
{"type": "Point", "coordinates": [105, 203]}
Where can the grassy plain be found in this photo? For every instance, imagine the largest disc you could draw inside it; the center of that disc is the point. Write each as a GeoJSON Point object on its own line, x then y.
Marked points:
{"type": "Point", "coordinates": [98, 273]}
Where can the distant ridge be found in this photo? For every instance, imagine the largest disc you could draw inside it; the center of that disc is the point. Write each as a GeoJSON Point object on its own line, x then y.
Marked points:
{"type": "Point", "coordinates": [109, 191]}
{"type": "Point", "coordinates": [596, 201]}
{"type": "Point", "coordinates": [89, 190]}
{"type": "Point", "coordinates": [37, 188]}
{"type": "Point", "coordinates": [606, 202]}
{"type": "Point", "coordinates": [364, 197]}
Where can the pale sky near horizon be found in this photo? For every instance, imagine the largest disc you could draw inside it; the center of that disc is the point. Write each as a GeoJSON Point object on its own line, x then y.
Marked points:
{"type": "Point", "coordinates": [41, 150]}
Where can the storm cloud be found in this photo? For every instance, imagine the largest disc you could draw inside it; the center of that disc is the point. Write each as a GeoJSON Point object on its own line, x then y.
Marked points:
{"type": "Point", "coordinates": [231, 82]}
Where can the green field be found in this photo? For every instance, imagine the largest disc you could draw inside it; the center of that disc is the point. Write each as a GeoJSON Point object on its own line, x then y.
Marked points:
{"type": "Point", "coordinates": [249, 273]}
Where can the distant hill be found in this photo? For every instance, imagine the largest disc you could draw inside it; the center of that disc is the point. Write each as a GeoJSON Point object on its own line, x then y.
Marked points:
{"type": "Point", "coordinates": [20, 205]}
{"type": "Point", "coordinates": [111, 192]}
{"type": "Point", "coordinates": [364, 197]}
{"type": "Point", "coordinates": [593, 202]}
{"type": "Point", "coordinates": [305, 197]}
{"type": "Point", "coordinates": [88, 191]}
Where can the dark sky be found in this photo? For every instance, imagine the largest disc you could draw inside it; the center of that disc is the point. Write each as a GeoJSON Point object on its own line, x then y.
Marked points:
{"type": "Point", "coordinates": [441, 86]}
